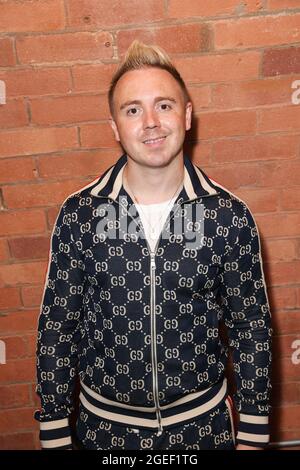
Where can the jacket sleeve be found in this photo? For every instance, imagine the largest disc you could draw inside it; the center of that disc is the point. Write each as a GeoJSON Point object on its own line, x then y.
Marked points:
{"type": "Point", "coordinates": [59, 335]}
{"type": "Point", "coordinates": [248, 320]}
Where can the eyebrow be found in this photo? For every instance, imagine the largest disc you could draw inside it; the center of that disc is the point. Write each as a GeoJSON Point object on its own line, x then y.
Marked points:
{"type": "Point", "coordinates": [159, 98]}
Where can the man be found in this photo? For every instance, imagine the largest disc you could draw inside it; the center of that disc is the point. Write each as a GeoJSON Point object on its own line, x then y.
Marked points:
{"type": "Point", "coordinates": [145, 263]}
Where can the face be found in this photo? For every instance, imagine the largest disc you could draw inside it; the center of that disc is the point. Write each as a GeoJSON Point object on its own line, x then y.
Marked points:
{"type": "Point", "coordinates": [150, 116]}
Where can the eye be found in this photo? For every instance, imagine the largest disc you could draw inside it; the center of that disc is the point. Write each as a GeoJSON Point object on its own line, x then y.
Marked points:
{"type": "Point", "coordinates": [165, 106]}
{"type": "Point", "coordinates": [132, 111]}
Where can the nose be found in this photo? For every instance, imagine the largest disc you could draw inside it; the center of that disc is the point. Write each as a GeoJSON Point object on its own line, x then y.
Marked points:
{"type": "Point", "coordinates": [151, 119]}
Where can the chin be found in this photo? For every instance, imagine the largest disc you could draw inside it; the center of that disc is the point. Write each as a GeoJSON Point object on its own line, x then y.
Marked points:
{"type": "Point", "coordinates": [159, 162]}
{"type": "Point", "coordinates": [162, 158]}
{"type": "Point", "coordinates": [154, 159]}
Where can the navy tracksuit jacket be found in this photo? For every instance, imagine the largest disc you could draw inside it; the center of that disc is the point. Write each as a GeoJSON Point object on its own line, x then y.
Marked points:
{"type": "Point", "coordinates": [141, 327]}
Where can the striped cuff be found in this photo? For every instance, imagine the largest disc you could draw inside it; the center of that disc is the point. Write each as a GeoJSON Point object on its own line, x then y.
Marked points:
{"type": "Point", "coordinates": [253, 430]}
{"type": "Point", "coordinates": [55, 434]}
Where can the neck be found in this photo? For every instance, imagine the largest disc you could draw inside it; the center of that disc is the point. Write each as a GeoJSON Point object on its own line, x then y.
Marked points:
{"type": "Point", "coordinates": [148, 185]}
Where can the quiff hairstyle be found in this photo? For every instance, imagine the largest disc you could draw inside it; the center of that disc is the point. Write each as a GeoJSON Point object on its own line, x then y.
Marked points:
{"type": "Point", "coordinates": [140, 56]}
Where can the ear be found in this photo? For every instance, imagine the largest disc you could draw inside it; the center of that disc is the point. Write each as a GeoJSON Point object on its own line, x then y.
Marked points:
{"type": "Point", "coordinates": [188, 115]}
{"type": "Point", "coordinates": [114, 128]}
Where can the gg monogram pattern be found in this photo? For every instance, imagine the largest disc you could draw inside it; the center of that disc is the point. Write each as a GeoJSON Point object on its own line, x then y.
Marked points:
{"type": "Point", "coordinates": [212, 431]}
{"type": "Point", "coordinates": [141, 327]}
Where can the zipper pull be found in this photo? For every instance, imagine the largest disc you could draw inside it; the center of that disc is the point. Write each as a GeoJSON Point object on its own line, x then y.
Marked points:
{"type": "Point", "coordinates": [160, 430]}
{"type": "Point", "coordinates": [152, 262]}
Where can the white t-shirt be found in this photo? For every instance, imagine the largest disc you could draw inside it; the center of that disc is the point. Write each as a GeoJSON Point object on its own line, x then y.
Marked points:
{"type": "Point", "coordinates": [153, 217]}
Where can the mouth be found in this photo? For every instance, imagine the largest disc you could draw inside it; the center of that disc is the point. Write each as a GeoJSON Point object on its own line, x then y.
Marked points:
{"type": "Point", "coordinates": [155, 142]}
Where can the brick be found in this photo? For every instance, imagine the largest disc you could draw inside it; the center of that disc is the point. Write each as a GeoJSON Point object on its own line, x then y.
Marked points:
{"type": "Point", "coordinates": [200, 96]}
{"type": "Point", "coordinates": [194, 8]}
{"type": "Point", "coordinates": [64, 47]}
{"type": "Point", "coordinates": [17, 419]}
{"type": "Point", "coordinates": [282, 345]}
{"type": "Point", "coordinates": [298, 297]}
{"type": "Point", "coordinates": [52, 214]}
{"type": "Point", "coordinates": [282, 4]}
{"type": "Point", "coordinates": [98, 136]}
{"type": "Point", "coordinates": [257, 32]}
{"type": "Point", "coordinates": [86, 13]}
{"type": "Point", "coordinates": [286, 394]}
{"type": "Point", "coordinates": [268, 147]}
{"type": "Point", "coordinates": [219, 68]}
{"type": "Point", "coordinates": [250, 6]}
{"type": "Point", "coordinates": [69, 109]}
{"type": "Point", "coordinates": [279, 225]}
{"type": "Point", "coordinates": [280, 174]}
{"type": "Point", "coordinates": [286, 322]}
{"type": "Point", "coordinates": [40, 194]}
{"type": "Point", "coordinates": [287, 416]}
{"type": "Point", "coordinates": [13, 114]}
{"type": "Point", "coordinates": [32, 295]}
{"type": "Point", "coordinates": [285, 118]}
{"type": "Point", "coordinates": [47, 15]}
{"type": "Point", "coordinates": [4, 253]}
{"type": "Point", "coordinates": [93, 77]}
{"type": "Point", "coordinates": [14, 396]}
{"type": "Point", "coordinates": [290, 199]}
{"type": "Point", "coordinates": [7, 54]}
{"type": "Point", "coordinates": [19, 321]}
{"type": "Point", "coordinates": [227, 176]}
{"type": "Point", "coordinates": [281, 297]}
{"type": "Point", "coordinates": [199, 152]}
{"type": "Point", "coordinates": [281, 61]}
{"type": "Point", "coordinates": [22, 273]}
{"type": "Point", "coordinates": [29, 247]}
{"type": "Point", "coordinates": [18, 441]}
{"type": "Point", "coordinates": [220, 124]}
{"type": "Point", "coordinates": [35, 82]}
{"type": "Point", "coordinates": [21, 222]}
{"type": "Point", "coordinates": [284, 273]}
{"type": "Point", "coordinates": [31, 341]}
{"type": "Point", "coordinates": [260, 200]}
{"type": "Point", "coordinates": [9, 298]}
{"type": "Point", "coordinates": [33, 141]}
{"type": "Point", "coordinates": [16, 347]}
{"type": "Point", "coordinates": [252, 93]}
{"type": "Point", "coordinates": [17, 169]}
{"type": "Point", "coordinates": [284, 369]}
{"type": "Point", "coordinates": [18, 371]}
{"type": "Point", "coordinates": [281, 250]}
{"type": "Point", "coordinates": [83, 163]}
{"type": "Point", "coordinates": [177, 39]}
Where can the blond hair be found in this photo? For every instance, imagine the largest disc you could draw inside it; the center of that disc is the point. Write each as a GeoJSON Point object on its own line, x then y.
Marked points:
{"type": "Point", "coordinates": [139, 56]}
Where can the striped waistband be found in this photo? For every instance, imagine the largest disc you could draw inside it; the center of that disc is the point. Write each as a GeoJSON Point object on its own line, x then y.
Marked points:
{"type": "Point", "coordinates": [184, 409]}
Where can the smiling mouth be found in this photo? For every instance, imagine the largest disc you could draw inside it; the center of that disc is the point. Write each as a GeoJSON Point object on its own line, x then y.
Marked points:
{"type": "Point", "coordinates": [156, 141]}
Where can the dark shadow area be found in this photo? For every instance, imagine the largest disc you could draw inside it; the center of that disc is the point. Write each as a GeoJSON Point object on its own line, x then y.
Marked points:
{"type": "Point", "coordinates": [191, 138]}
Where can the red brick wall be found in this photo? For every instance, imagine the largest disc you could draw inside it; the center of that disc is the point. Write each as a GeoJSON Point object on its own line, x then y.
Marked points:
{"type": "Point", "coordinates": [240, 60]}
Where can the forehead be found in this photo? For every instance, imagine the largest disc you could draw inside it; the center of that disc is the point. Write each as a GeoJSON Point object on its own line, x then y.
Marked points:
{"type": "Point", "coordinates": [146, 83]}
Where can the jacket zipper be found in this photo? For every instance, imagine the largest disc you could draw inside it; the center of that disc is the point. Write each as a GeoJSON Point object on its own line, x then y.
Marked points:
{"type": "Point", "coordinates": [153, 341]}
{"type": "Point", "coordinates": [153, 324]}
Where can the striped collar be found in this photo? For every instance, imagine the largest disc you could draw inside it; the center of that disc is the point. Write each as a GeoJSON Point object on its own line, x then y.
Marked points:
{"type": "Point", "coordinates": [195, 184]}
